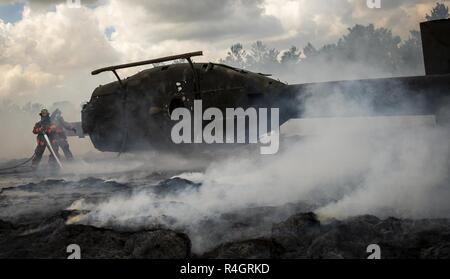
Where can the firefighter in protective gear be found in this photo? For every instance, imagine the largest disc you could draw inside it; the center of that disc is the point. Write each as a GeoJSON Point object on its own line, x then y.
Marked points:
{"type": "Point", "coordinates": [61, 138]}
{"type": "Point", "coordinates": [45, 126]}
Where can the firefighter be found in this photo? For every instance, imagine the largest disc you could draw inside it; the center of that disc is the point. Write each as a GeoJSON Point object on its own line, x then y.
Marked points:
{"type": "Point", "coordinates": [45, 126]}
{"type": "Point", "coordinates": [61, 138]}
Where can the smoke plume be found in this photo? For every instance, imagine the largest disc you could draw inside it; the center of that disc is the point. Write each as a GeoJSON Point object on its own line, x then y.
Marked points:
{"type": "Point", "coordinates": [385, 166]}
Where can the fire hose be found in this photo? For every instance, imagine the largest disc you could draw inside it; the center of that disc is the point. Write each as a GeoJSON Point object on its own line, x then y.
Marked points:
{"type": "Point", "coordinates": [50, 148]}
{"type": "Point", "coordinates": [19, 165]}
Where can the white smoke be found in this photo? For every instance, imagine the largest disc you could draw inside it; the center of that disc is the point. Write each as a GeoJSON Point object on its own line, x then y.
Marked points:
{"type": "Point", "coordinates": [344, 167]}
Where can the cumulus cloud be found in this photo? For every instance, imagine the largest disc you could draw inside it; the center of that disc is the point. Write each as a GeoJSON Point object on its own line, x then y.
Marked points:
{"type": "Point", "coordinates": [18, 79]}
{"type": "Point", "coordinates": [160, 28]}
{"type": "Point", "coordinates": [63, 45]}
{"type": "Point", "coordinates": [45, 5]}
{"type": "Point", "coordinates": [44, 54]}
{"type": "Point", "coordinates": [323, 22]}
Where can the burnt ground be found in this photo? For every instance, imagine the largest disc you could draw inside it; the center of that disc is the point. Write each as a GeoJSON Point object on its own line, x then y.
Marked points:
{"type": "Point", "coordinates": [36, 222]}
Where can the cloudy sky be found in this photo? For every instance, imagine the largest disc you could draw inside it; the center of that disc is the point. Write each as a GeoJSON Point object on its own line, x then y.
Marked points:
{"type": "Point", "coordinates": [47, 48]}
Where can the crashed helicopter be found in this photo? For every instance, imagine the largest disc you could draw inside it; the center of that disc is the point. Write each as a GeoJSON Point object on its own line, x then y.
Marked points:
{"type": "Point", "coordinates": [134, 114]}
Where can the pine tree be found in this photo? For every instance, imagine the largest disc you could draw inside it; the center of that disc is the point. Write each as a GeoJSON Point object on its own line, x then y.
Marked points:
{"type": "Point", "coordinates": [440, 11]}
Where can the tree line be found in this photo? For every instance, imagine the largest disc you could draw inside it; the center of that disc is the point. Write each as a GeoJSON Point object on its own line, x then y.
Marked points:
{"type": "Point", "coordinates": [363, 52]}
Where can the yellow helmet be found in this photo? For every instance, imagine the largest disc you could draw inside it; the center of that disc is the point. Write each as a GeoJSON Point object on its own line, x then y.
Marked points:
{"type": "Point", "coordinates": [44, 112]}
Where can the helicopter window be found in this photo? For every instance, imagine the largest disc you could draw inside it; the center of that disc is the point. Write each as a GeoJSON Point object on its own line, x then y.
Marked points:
{"type": "Point", "coordinates": [174, 104]}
